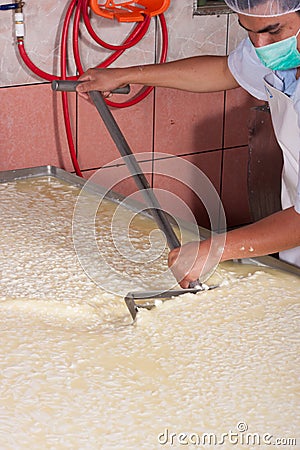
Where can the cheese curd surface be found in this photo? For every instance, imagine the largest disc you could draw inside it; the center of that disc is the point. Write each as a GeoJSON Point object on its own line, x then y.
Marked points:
{"type": "Point", "coordinates": [76, 374]}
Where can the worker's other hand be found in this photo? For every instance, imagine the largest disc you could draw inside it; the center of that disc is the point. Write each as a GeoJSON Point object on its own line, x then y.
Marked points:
{"type": "Point", "coordinates": [103, 80]}
{"type": "Point", "coordinates": [190, 262]}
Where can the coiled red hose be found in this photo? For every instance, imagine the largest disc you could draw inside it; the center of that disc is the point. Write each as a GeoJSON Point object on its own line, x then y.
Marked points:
{"type": "Point", "coordinates": [79, 9]}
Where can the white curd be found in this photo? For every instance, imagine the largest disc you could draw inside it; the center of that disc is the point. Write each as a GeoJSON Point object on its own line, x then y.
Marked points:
{"type": "Point", "coordinates": [76, 374]}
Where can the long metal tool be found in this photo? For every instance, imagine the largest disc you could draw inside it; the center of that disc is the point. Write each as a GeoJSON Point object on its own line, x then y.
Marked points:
{"type": "Point", "coordinates": [142, 183]}
{"type": "Point", "coordinates": [70, 86]}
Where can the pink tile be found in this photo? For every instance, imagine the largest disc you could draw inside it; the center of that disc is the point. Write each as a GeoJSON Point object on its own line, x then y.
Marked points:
{"type": "Point", "coordinates": [188, 122]}
{"type": "Point", "coordinates": [119, 179]}
{"type": "Point", "coordinates": [32, 129]}
{"type": "Point", "coordinates": [234, 186]}
{"type": "Point", "coordinates": [96, 147]}
{"type": "Point", "coordinates": [181, 186]}
{"type": "Point", "coordinates": [238, 104]}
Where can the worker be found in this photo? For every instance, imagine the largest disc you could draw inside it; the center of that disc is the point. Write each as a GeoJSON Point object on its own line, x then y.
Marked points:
{"type": "Point", "coordinates": [267, 65]}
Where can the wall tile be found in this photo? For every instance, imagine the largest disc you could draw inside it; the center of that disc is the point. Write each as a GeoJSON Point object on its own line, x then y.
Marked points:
{"type": "Point", "coordinates": [178, 186]}
{"type": "Point", "coordinates": [198, 35]}
{"type": "Point", "coordinates": [238, 104]}
{"type": "Point", "coordinates": [43, 21]}
{"type": "Point", "coordinates": [264, 177]}
{"type": "Point", "coordinates": [234, 186]}
{"type": "Point", "coordinates": [236, 33]}
{"type": "Point", "coordinates": [95, 145]}
{"type": "Point", "coordinates": [187, 122]}
{"type": "Point", "coordinates": [32, 130]}
{"type": "Point", "coordinates": [115, 33]}
{"type": "Point", "coordinates": [118, 179]}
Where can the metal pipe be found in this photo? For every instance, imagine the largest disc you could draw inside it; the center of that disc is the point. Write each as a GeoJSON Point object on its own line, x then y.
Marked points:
{"type": "Point", "coordinates": [70, 86]}
{"type": "Point", "coordinates": [135, 169]}
{"type": "Point", "coordinates": [141, 181]}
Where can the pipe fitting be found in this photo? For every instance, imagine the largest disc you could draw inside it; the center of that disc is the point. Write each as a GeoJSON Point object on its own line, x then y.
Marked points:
{"type": "Point", "coordinates": [19, 9]}
{"type": "Point", "coordinates": [19, 22]}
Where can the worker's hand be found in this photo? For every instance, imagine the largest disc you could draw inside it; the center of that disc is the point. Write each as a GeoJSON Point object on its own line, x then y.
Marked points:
{"type": "Point", "coordinates": [103, 80]}
{"type": "Point", "coordinates": [190, 262]}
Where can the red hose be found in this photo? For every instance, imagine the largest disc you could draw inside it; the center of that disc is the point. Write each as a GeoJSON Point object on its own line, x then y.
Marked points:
{"type": "Point", "coordinates": [64, 96]}
{"type": "Point", "coordinates": [40, 73]}
{"type": "Point", "coordinates": [30, 64]}
{"type": "Point", "coordinates": [137, 34]}
{"type": "Point", "coordinates": [76, 39]}
{"type": "Point", "coordinates": [146, 91]}
{"type": "Point", "coordinates": [81, 9]}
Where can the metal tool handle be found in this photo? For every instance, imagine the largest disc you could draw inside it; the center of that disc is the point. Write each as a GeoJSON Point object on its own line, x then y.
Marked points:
{"type": "Point", "coordinates": [141, 181]}
{"type": "Point", "coordinates": [134, 168]}
{"type": "Point", "coordinates": [70, 86]}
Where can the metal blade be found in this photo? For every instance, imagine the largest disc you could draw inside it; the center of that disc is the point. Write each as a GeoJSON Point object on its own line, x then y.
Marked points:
{"type": "Point", "coordinates": [133, 307]}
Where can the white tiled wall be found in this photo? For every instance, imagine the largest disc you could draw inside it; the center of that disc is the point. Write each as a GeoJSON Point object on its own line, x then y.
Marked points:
{"type": "Point", "coordinates": [188, 36]}
{"type": "Point", "coordinates": [236, 33]}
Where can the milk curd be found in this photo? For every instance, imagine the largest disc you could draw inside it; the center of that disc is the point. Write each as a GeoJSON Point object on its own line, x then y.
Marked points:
{"type": "Point", "coordinates": [76, 374]}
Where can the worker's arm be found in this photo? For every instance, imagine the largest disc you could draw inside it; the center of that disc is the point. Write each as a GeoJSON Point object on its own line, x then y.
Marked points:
{"type": "Point", "coordinates": [196, 74]}
{"type": "Point", "coordinates": [275, 233]}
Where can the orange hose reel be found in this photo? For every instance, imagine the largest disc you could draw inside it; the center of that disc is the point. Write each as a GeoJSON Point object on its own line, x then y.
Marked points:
{"type": "Point", "coordinates": [130, 11]}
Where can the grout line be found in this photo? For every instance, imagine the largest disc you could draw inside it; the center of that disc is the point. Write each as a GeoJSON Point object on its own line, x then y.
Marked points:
{"type": "Point", "coordinates": [169, 157]}
{"type": "Point", "coordinates": [154, 106]}
{"type": "Point", "coordinates": [26, 84]}
{"type": "Point", "coordinates": [223, 125]}
{"type": "Point", "coordinates": [153, 136]}
{"type": "Point", "coordinates": [77, 125]}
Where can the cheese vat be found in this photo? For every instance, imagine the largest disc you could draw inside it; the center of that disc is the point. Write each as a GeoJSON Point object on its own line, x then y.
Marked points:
{"type": "Point", "coordinates": [76, 374]}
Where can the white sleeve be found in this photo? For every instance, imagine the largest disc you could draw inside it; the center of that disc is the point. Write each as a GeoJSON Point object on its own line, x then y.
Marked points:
{"type": "Point", "coordinates": [248, 70]}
